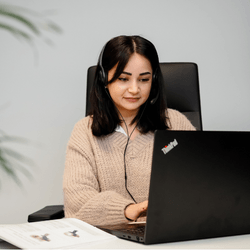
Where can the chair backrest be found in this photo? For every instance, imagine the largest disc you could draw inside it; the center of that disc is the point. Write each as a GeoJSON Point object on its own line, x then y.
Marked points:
{"type": "Point", "coordinates": [182, 89]}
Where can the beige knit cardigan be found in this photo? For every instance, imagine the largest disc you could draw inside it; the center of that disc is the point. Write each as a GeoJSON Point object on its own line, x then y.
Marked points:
{"type": "Point", "coordinates": [94, 184]}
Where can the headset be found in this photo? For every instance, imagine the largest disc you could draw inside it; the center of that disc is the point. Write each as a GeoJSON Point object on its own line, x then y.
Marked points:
{"type": "Point", "coordinates": [103, 77]}
{"type": "Point", "coordinates": [153, 101]}
{"type": "Point", "coordinates": [102, 74]}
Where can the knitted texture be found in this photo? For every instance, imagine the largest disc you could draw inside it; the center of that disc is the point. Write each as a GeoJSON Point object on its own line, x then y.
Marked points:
{"type": "Point", "coordinates": [94, 176]}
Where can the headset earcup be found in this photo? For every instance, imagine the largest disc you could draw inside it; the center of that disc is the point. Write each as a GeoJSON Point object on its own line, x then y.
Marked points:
{"type": "Point", "coordinates": [102, 76]}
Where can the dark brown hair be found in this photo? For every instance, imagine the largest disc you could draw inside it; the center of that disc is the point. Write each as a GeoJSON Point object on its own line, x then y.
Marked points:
{"type": "Point", "coordinates": [117, 52]}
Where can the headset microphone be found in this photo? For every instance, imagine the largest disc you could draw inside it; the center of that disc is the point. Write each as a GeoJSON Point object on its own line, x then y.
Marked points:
{"type": "Point", "coordinates": [152, 102]}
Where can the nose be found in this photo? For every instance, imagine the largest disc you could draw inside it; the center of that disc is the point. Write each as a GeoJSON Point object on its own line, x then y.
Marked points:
{"type": "Point", "coordinates": [133, 87]}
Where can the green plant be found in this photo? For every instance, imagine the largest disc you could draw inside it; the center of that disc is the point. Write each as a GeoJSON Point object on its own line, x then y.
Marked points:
{"type": "Point", "coordinates": [27, 25]}
{"type": "Point", "coordinates": [11, 162]}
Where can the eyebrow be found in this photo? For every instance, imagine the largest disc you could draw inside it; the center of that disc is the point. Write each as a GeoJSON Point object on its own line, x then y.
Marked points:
{"type": "Point", "coordinates": [142, 74]}
{"type": "Point", "coordinates": [145, 73]}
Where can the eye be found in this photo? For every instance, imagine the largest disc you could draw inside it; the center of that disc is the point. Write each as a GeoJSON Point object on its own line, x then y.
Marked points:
{"type": "Point", "coordinates": [123, 79]}
{"type": "Point", "coordinates": [144, 79]}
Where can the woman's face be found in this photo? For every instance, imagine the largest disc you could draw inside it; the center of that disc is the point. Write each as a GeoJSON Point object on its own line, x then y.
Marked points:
{"type": "Point", "coordinates": [132, 88]}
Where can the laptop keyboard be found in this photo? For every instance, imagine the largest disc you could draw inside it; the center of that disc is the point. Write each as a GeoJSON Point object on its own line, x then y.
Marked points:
{"type": "Point", "coordinates": [136, 231]}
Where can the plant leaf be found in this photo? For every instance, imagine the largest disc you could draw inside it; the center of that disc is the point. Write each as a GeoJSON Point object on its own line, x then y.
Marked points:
{"type": "Point", "coordinates": [7, 138]}
{"type": "Point", "coordinates": [35, 26]}
{"type": "Point", "coordinates": [16, 32]}
{"type": "Point", "coordinates": [16, 155]}
{"type": "Point", "coordinates": [54, 27]}
{"type": "Point", "coordinates": [20, 18]}
{"type": "Point", "coordinates": [10, 161]}
{"type": "Point", "coordinates": [7, 169]}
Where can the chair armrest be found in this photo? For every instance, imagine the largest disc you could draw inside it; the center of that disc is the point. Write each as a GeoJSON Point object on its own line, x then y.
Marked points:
{"type": "Point", "coordinates": [47, 213]}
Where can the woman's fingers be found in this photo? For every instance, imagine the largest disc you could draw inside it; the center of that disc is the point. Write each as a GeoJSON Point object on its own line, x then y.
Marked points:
{"type": "Point", "coordinates": [134, 211]}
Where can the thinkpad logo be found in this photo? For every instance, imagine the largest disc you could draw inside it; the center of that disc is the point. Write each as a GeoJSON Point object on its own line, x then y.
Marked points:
{"type": "Point", "coordinates": [170, 146]}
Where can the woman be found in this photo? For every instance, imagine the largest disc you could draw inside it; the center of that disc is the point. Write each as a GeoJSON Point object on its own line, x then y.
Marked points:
{"type": "Point", "coordinates": [109, 154]}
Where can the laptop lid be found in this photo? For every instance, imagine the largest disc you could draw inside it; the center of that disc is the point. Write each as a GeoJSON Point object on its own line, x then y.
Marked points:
{"type": "Point", "coordinates": [200, 186]}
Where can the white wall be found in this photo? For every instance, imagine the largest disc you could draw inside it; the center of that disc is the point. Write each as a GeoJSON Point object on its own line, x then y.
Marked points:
{"type": "Point", "coordinates": [42, 102]}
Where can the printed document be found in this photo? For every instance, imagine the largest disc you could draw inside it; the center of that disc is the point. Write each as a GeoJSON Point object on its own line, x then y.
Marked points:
{"type": "Point", "coordinates": [62, 233]}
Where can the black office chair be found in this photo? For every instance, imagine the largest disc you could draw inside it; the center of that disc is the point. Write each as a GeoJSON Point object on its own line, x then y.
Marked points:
{"type": "Point", "coordinates": [182, 89]}
{"type": "Point", "coordinates": [182, 93]}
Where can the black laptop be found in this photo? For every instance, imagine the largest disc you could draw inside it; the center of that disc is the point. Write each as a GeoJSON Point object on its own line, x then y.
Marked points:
{"type": "Point", "coordinates": [199, 188]}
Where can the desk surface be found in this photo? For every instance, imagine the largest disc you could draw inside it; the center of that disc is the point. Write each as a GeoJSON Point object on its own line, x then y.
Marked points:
{"type": "Point", "coordinates": [236, 242]}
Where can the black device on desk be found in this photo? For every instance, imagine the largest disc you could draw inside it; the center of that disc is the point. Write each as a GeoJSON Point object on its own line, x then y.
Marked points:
{"type": "Point", "coordinates": [47, 213]}
{"type": "Point", "coordinates": [199, 188]}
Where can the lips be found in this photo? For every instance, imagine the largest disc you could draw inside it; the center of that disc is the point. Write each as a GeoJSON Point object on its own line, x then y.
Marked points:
{"type": "Point", "coordinates": [131, 99]}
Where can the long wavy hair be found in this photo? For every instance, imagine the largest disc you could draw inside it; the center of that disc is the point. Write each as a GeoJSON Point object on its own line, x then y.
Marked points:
{"type": "Point", "coordinates": [117, 51]}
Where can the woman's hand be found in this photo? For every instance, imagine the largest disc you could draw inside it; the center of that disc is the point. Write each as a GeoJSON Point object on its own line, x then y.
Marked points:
{"type": "Point", "coordinates": [134, 211]}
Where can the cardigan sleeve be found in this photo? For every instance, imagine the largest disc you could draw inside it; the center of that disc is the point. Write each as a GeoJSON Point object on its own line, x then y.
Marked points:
{"type": "Point", "coordinates": [83, 198]}
{"type": "Point", "coordinates": [178, 121]}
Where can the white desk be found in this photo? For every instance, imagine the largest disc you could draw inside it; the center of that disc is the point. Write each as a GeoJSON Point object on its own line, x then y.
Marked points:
{"type": "Point", "coordinates": [234, 242]}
